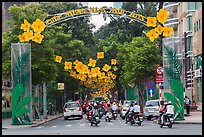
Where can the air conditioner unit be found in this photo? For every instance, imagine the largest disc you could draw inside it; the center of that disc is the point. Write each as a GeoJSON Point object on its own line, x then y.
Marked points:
{"type": "Point", "coordinates": [198, 73]}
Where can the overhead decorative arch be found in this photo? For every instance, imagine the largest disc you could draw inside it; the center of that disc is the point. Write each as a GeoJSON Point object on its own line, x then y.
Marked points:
{"type": "Point", "coordinates": [72, 14]}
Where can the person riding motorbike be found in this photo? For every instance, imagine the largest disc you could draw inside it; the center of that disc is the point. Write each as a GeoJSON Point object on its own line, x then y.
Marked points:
{"type": "Point", "coordinates": [114, 107]}
{"type": "Point", "coordinates": [135, 109]}
{"type": "Point", "coordinates": [167, 109]}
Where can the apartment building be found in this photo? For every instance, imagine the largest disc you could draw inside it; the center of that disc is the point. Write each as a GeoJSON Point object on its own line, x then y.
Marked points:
{"type": "Point", "coordinates": [186, 20]}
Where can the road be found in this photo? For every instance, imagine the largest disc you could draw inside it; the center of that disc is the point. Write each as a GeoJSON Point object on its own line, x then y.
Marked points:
{"type": "Point", "coordinates": [115, 127]}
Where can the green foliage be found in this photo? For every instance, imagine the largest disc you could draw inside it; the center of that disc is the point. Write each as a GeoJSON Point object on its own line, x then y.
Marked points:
{"type": "Point", "coordinates": [175, 102]}
{"type": "Point", "coordinates": [175, 69]}
{"type": "Point", "coordinates": [174, 72]}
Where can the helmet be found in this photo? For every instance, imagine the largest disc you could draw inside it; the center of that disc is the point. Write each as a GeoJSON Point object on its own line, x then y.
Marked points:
{"type": "Point", "coordinates": [95, 104]}
{"type": "Point", "coordinates": [169, 103]}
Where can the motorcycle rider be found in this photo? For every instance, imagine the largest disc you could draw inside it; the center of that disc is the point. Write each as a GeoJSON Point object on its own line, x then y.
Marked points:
{"type": "Point", "coordinates": [135, 109]}
{"type": "Point", "coordinates": [114, 107]}
{"type": "Point", "coordinates": [167, 109]}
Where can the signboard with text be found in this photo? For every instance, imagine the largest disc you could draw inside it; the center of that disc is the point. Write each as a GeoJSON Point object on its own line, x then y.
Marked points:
{"type": "Point", "coordinates": [159, 74]}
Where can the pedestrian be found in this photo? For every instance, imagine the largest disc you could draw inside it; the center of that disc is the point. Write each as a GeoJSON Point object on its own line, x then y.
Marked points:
{"type": "Point", "coordinates": [187, 105]}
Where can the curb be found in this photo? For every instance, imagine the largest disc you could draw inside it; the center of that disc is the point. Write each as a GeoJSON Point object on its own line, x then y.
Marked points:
{"type": "Point", "coordinates": [33, 125]}
{"type": "Point", "coordinates": [47, 120]}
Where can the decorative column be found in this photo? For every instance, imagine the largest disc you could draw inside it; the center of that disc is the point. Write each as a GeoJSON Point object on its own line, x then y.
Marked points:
{"type": "Point", "coordinates": [21, 83]}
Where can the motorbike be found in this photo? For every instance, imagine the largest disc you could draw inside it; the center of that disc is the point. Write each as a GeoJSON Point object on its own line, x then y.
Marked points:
{"type": "Point", "coordinates": [114, 114]}
{"type": "Point", "coordinates": [89, 114]}
{"type": "Point", "coordinates": [137, 119]}
{"type": "Point", "coordinates": [108, 116]}
{"type": "Point", "coordinates": [94, 120]}
{"type": "Point", "coordinates": [101, 113]}
{"type": "Point", "coordinates": [169, 121]}
{"type": "Point", "coordinates": [134, 118]}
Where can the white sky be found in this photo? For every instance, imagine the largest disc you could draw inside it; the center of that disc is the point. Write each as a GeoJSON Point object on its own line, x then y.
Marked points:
{"type": "Point", "coordinates": [98, 20]}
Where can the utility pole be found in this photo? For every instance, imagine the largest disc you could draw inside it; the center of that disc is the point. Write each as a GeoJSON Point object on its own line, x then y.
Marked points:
{"type": "Point", "coordinates": [161, 36]}
{"type": "Point", "coordinates": [45, 101]}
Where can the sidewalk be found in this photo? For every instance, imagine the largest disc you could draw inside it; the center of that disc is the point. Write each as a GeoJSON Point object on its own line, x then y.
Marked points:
{"type": "Point", "coordinates": [6, 123]}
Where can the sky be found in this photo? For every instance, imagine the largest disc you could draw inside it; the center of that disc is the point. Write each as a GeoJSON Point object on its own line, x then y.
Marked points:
{"type": "Point", "coordinates": [98, 20]}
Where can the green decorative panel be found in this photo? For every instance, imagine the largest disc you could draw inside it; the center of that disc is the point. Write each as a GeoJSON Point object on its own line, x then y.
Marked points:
{"type": "Point", "coordinates": [21, 78]}
{"type": "Point", "coordinates": [173, 72]}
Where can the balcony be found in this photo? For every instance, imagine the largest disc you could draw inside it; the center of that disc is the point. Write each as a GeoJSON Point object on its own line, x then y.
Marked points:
{"type": "Point", "coordinates": [170, 4]}
{"type": "Point", "coordinates": [171, 21]}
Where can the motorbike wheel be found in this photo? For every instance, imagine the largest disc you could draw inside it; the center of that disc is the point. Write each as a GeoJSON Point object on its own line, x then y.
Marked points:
{"type": "Point", "coordinates": [96, 124]}
{"type": "Point", "coordinates": [106, 120]}
{"type": "Point", "coordinates": [161, 125]}
{"type": "Point", "coordinates": [170, 125]}
{"type": "Point", "coordinates": [140, 123]}
{"type": "Point", "coordinates": [109, 120]}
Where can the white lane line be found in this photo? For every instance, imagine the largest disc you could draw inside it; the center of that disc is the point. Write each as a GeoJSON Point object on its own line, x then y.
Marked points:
{"type": "Point", "coordinates": [40, 127]}
{"type": "Point", "coordinates": [53, 126]}
{"type": "Point", "coordinates": [82, 124]}
{"type": "Point", "coordinates": [68, 125]}
{"type": "Point", "coordinates": [109, 123]}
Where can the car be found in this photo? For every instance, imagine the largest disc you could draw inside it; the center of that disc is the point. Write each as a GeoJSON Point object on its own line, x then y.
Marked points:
{"type": "Point", "coordinates": [72, 109]}
{"type": "Point", "coordinates": [151, 109]}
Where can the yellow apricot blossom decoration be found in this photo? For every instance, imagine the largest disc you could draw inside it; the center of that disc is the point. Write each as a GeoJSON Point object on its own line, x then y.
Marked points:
{"type": "Point", "coordinates": [100, 55]}
{"type": "Point", "coordinates": [159, 29]}
{"type": "Point", "coordinates": [38, 26]}
{"type": "Point", "coordinates": [162, 16]}
{"type": "Point", "coordinates": [106, 67]}
{"type": "Point", "coordinates": [115, 68]}
{"type": "Point", "coordinates": [24, 37]}
{"type": "Point", "coordinates": [152, 34]}
{"type": "Point", "coordinates": [113, 61]}
{"type": "Point", "coordinates": [68, 65]}
{"type": "Point", "coordinates": [37, 38]}
{"type": "Point", "coordinates": [92, 62]}
{"type": "Point", "coordinates": [58, 59]}
{"type": "Point", "coordinates": [26, 26]}
{"type": "Point", "coordinates": [168, 31]}
{"type": "Point", "coordinates": [151, 21]}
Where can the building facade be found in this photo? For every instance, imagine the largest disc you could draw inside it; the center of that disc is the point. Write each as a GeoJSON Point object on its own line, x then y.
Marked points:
{"type": "Point", "coordinates": [117, 5]}
{"type": "Point", "coordinates": [186, 20]}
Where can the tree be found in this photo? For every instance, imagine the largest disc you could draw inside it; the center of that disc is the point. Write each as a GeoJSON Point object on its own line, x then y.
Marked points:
{"type": "Point", "coordinates": [139, 62]}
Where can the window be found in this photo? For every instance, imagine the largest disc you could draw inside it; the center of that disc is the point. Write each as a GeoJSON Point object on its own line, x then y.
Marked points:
{"type": "Point", "coordinates": [199, 27]}
{"type": "Point", "coordinates": [191, 5]}
{"type": "Point", "coordinates": [194, 27]}
{"type": "Point", "coordinates": [198, 5]}
{"type": "Point", "coordinates": [190, 23]}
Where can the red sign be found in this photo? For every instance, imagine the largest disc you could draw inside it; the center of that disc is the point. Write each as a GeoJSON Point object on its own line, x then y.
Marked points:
{"type": "Point", "coordinates": [159, 74]}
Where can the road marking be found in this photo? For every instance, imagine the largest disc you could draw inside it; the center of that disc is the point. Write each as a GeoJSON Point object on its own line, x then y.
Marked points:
{"type": "Point", "coordinates": [40, 127]}
{"type": "Point", "coordinates": [53, 126]}
{"type": "Point", "coordinates": [82, 124]}
{"type": "Point", "coordinates": [109, 123]}
{"type": "Point", "coordinates": [68, 125]}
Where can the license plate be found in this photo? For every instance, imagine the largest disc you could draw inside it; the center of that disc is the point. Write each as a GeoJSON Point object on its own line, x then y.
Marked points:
{"type": "Point", "coordinates": [97, 118]}
{"type": "Point", "coordinates": [171, 119]}
{"type": "Point", "coordinates": [151, 110]}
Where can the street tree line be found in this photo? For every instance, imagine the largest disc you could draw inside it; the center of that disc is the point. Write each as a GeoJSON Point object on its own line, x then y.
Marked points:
{"type": "Point", "coordinates": [121, 39]}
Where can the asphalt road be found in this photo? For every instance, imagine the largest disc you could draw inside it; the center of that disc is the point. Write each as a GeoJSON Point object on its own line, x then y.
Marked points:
{"type": "Point", "coordinates": [115, 127]}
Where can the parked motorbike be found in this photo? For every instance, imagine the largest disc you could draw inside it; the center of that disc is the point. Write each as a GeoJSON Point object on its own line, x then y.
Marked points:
{"type": "Point", "coordinates": [169, 121]}
{"type": "Point", "coordinates": [94, 120]}
{"type": "Point", "coordinates": [108, 116]}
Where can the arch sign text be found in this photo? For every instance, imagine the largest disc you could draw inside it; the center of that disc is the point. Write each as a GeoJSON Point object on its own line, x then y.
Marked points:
{"type": "Point", "coordinates": [71, 14]}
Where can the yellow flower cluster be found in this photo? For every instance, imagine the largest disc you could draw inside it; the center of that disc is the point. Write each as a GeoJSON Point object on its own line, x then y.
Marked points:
{"type": "Point", "coordinates": [100, 80]}
{"type": "Point", "coordinates": [162, 17]}
{"type": "Point", "coordinates": [37, 27]}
